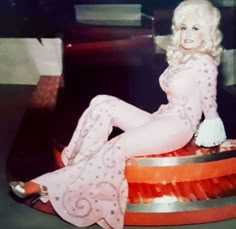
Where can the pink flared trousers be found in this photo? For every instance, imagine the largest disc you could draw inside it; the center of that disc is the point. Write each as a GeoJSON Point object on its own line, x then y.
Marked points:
{"type": "Point", "coordinates": [92, 188]}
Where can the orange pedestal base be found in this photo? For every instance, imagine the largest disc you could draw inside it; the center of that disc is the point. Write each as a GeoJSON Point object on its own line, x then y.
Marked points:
{"type": "Point", "coordinates": [202, 181]}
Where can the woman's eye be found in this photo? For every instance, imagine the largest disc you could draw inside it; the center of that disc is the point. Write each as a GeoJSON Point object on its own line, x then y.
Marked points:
{"type": "Point", "coordinates": [195, 28]}
{"type": "Point", "coordinates": [183, 28]}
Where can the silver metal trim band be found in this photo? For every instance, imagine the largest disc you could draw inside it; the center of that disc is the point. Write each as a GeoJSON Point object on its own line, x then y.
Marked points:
{"type": "Point", "coordinates": [181, 206]}
{"type": "Point", "coordinates": [178, 160]}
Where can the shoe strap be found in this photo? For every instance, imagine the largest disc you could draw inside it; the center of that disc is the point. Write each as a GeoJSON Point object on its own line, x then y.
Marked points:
{"type": "Point", "coordinates": [42, 191]}
{"type": "Point", "coordinates": [21, 184]}
{"type": "Point", "coordinates": [20, 188]}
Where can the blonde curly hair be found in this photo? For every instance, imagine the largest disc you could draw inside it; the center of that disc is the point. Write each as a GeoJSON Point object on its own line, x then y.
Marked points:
{"type": "Point", "coordinates": [209, 19]}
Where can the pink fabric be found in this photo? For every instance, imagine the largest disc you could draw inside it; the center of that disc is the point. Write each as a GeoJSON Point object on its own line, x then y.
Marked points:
{"type": "Point", "coordinates": [92, 187]}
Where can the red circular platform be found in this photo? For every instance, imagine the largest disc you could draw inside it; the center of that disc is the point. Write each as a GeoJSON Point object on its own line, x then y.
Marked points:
{"type": "Point", "coordinates": [202, 180]}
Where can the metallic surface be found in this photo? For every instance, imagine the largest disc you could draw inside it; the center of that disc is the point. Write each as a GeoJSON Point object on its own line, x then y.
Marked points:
{"type": "Point", "coordinates": [178, 160]}
{"type": "Point", "coordinates": [181, 206]}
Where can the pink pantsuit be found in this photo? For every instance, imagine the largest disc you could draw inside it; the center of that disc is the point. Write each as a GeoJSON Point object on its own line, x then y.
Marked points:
{"type": "Point", "coordinates": [92, 188]}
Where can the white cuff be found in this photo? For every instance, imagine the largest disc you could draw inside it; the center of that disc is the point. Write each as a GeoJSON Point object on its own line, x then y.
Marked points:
{"type": "Point", "coordinates": [211, 132]}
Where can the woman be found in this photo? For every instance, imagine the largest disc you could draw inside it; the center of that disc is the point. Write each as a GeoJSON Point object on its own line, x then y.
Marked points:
{"type": "Point", "coordinates": [91, 188]}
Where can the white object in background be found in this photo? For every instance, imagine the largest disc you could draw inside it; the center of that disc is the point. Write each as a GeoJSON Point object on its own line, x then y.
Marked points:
{"type": "Point", "coordinates": [109, 14]}
{"type": "Point", "coordinates": [225, 3]}
{"type": "Point", "coordinates": [229, 67]}
{"type": "Point", "coordinates": [24, 60]}
{"type": "Point", "coordinates": [47, 55]}
{"type": "Point", "coordinates": [16, 65]}
{"type": "Point", "coordinates": [161, 43]}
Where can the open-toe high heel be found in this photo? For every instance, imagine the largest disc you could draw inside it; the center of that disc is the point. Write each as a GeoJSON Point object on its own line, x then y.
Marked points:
{"type": "Point", "coordinates": [19, 190]}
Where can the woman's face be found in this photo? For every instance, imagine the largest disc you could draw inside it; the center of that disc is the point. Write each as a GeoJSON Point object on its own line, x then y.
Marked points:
{"type": "Point", "coordinates": [191, 33]}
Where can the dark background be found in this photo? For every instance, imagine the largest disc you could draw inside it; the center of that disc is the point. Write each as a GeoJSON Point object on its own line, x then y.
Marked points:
{"type": "Point", "coordinates": [49, 18]}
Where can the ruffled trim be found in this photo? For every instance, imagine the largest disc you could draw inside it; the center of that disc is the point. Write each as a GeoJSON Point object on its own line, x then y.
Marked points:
{"type": "Point", "coordinates": [211, 132]}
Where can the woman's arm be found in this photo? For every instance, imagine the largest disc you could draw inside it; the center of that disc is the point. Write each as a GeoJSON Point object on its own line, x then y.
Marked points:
{"type": "Point", "coordinates": [211, 131]}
